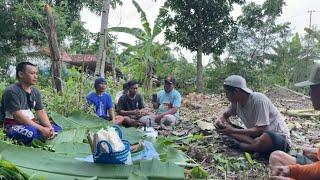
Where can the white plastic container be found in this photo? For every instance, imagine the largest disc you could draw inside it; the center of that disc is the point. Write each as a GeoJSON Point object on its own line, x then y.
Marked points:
{"type": "Point", "coordinates": [150, 132]}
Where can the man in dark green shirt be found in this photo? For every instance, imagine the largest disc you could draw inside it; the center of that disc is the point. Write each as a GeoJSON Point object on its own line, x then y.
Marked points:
{"type": "Point", "coordinates": [131, 105]}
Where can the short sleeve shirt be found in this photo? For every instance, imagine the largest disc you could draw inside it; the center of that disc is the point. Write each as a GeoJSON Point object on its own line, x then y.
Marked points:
{"type": "Point", "coordinates": [118, 96]}
{"type": "Point", "coordinates": [128, 104]}
{"type": "Point", "coordinates": [259, 111]}
{"type": "Point", "coordinates": [14, 98]}
{"type": "Point", "coordinates": [168, 101]}
{"type": "Point", "coordinates": [102, 103]}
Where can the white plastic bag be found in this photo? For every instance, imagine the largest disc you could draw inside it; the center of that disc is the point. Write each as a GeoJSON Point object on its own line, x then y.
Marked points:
{"type": "Point", "coordinates": [111, 136]}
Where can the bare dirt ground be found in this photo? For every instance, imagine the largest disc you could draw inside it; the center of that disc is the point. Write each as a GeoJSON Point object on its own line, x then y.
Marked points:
{"type": "Point", "coordinates": [222, 162]}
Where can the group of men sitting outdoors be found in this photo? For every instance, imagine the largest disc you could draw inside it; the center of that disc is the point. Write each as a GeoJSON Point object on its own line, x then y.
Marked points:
{"type": "Point", "coordinates": [130, 105]}
{"type": "Point", "coordinates": [264, 130]}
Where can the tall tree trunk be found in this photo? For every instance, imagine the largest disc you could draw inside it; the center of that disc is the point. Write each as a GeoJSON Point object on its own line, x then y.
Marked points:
{"type": "Point", "coordinates": [199, 70]}
{"type": "Point", "coordinates": [148, 77]}
{"type": "Point", "coordinates": [54, 51]}
{"type": "Point", "coordinates": [149, 85]}
{"type": "Point", "coordinates": [101, 61]}
{"type": "Point", "coordinates": [113, 67]}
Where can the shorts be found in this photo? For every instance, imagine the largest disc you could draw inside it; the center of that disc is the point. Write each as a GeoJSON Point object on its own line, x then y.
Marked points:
{"type": "Point", "coordinates": [302, 160]}
{"type": "Point", "coordinates": [25, 133]}
{"type": "Point", "coordinates": [167, 120]}
{"type": "Point", "coordinates": [279, 142]}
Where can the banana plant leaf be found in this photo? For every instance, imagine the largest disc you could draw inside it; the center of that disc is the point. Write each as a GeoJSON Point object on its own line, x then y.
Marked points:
{"type": "Point", "coordinates": [143, 18]}
{"type": "Point", "coordinates": [73, 149]}
{"type": "Point", "coordinates": [71, 135]}
{"type": "Point", "coordinates": [56, 166]}
{"type": "Point", "coordinates": [79, 120]}
{"type": "Point", "coordinates": [64, 122]}
{"type": "Point", "coordinates": [167, 151]}
{"type": "Point", "coordinates": [75, 127]}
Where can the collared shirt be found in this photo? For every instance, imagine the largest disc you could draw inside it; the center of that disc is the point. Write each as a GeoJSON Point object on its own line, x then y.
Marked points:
{"type": "Point", "coordinates": [168, 101]}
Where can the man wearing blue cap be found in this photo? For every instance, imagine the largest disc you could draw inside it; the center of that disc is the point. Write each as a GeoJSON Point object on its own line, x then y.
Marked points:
{"type": "Point", "coordinates": [101, 100]}
{"type": "Point", "coordinates": [265, 129]}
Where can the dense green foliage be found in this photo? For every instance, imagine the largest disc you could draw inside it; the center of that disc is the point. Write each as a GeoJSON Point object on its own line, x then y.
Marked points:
{"type": "Point", "coordinates": [146, 53]}
{"type": "Point", "coordinates": [202, 26]}
{"type": "Point", "coordinates": [264, 52]}
{"type": "Point", "coordinates": [254, 45]}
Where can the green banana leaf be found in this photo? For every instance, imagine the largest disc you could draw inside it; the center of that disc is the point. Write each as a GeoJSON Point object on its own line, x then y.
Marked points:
{"type": "Point", "coordinates": [167, 151]}
{"type": "Point", "coordinates": [71, 135]}
{"type": "Point", "coordinates": [73, 149]}
{"type": "Point", "coordinates": [136, 32]}
{"type": "Point", "coordinates": [143, 18]}
{"type": "Point", "coordinates": [78, 123]}
{"type": "Point", "coordinates": [64, 122]}
{"type": "Point", "coordinates": [56, 166]}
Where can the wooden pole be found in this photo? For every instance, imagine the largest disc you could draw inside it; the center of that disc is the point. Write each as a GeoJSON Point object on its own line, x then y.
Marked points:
{"type": "Point", "coordinates": [54, 51]}
{"type": "Point", "coordinates": [101, 61]}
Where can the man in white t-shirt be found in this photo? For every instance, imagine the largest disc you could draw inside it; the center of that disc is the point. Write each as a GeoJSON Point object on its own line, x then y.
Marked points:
{"type": "Point", "coordinates": [265, 129]}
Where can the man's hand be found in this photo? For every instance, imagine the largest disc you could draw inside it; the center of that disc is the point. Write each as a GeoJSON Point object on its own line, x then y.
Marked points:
{"type": "Point", "coordinates": [219, 124]}
{"type": "Point", "coordinates": [280, 171]}
{"type": "Point", "coordinates": [52, 133]}
{"type": "Point", "coordinates": [226, 130]}
{"type": "Point", "coordinates": [158, 118]}
{"type": "Point", "coordinates": [118, 120]}
{"type": "Point", "coordinates": [144, 112]}
{"type": "Point", "coordinates": [311, 153]}
{"type": "Point", "coordinates": [46, 132]}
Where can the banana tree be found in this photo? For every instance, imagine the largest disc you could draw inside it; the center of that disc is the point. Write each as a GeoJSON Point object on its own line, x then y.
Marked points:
{"type": "Point", "coordinates": [146, 49]}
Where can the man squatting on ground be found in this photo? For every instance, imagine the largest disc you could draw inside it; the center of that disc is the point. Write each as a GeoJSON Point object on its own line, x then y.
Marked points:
{"type": "Point", "coordinates": [265, 131]}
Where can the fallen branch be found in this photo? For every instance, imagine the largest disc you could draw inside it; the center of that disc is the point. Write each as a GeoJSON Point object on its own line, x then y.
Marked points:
{"type": "Point", "coordinates": [302, 112]}
{"type": "Point", "coordinates": [294, 92]}
{"type": "Point", "coordinates": [186, 164]}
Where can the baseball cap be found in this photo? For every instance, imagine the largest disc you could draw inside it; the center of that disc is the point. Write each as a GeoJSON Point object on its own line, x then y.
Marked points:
{"type": "Point", "coordinates": [238, 82]}
{"type": "Point", "coordinates": [170, 80]}
{"type": "Point", "coordinates": [313, 79]}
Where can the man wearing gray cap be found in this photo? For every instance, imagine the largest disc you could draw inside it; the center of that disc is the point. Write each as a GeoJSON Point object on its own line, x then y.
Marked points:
{"type": "Point", "coordinates": [265, 129]}
{"type": "Point", "coordinates": [306, 166]}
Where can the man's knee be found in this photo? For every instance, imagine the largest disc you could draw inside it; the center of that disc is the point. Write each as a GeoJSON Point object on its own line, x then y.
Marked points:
{"type": "Point", "coordinates": [280, 158]}
{"type": "Point", "coordinates": [275, 157]}
{"type": "Point", "coordinates": [263, 143]}
{"type": "Point", "coordinates": [148, 120]}
{"type": "Point", "coordinates": [169, 120]}
{"type": "Point", "coordinates": [144, 119]}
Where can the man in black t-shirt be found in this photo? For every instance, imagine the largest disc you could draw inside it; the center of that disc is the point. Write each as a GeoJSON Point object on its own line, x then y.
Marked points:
{"type": "Point", "coordinates": [131, 105]}
{"type": "Point", "coordinates": [18, 103]}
